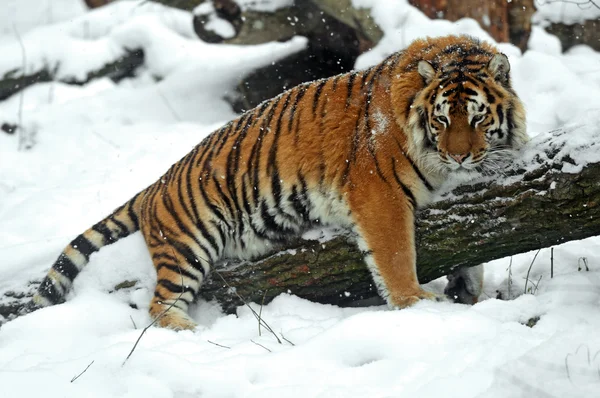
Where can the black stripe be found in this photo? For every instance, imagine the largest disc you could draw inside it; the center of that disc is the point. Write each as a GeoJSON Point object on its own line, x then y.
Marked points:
{"type": "Point", "coordinates": [226, 200]}
{"type": "Point", "coordinates": [468, 91]}
{"type": "Point", "coordinates": [297, 204]}
{"type": "Point", "coordinates": [191, 258]}
{"type": "Point", "coordinates": [301, 91]}
{"type": "Point", "coordinates": [270, 223]}
{"type": "Point", "coordinates": [177, 269]}
{"type": "Point", "coordinates": [245, 196]}
{"type": "Point", "coordinates": [500, 113]}
{"type": "Point", "coordinates": [123, 230]}
{"type": "Point", "coordinates": [425, 126]}
{"type": "Point", "coordinates": [66, 267]}
{"type": "Point", "coordinates": [220, 231]}
{"type": "Point", "coordinates": [272, 163]}
{"type": "Point", "coordinates": [350, 85]}
{"type": "Point", "coordinates": [163, 256]}
{"type": "Point", "coordinates": [317, 96]}
{"type": "Point", "coordinates": [511, 124]}
{"type": "Point", "coordinates": [105, 232]}
{"type": "Point", "coordinates": [336, 79]}
{"type": "Point", "coordinates": [207, 236]}
{"type": "Point", "coordinates": [175, 288]}
{"type": "Point", "coordinates": [407, 192]}
{"type": "Point", "coordinates": [262, 109]}
{"type": "Point", "coordinates": [415, 168]}
{"type": "Point", "coordinates": [131, 212]}
{"type": "Point", "coordinates": [277, 196]}
{"type": "Point", "coordinates": [489, 96]}
{"type": "Point", "coordinates": [446, 93]}
{"type": "Point", "coordinates": [84, 246]}
{"type": "Point", "coordinates": [231, 131]}
{"type": "Point", "coordinates": [49, 291]}
{"type": "Point", "coordinates": [213, 207]}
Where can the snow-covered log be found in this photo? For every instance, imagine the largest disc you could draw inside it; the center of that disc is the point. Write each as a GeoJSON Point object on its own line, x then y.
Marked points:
{"type": "Point", "coordinates": [123, 66]}
{"type": "Point", "coordinates": [549, 195]}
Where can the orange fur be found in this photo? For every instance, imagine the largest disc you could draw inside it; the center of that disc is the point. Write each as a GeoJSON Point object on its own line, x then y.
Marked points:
{"type": "Point", "coordinates": [359, 150]}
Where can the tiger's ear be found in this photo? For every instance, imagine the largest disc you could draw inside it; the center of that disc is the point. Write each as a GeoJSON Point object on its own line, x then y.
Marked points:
{"type": "Point", "coordinates": [499, 68]}
{"type": "Point", "coordinates": [426, 71]}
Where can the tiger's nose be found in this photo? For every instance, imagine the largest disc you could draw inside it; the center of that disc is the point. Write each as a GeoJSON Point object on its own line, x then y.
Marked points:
{"type": "Point", "coordinates": [459, 157]}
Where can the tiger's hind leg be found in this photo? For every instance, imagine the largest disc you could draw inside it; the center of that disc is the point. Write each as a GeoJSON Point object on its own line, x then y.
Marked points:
{"type": "Point", "coordinates": [180, 274]}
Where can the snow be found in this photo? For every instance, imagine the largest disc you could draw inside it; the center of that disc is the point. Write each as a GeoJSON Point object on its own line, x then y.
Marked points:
{"type": "Point", "coordinates": [264, 5]}
{"type": "Point", "coordinates": [96, 145]}
{"type": "Point", "coordinates": [567, 12]}
{"type": "Point", "coordinates": [24, 15]}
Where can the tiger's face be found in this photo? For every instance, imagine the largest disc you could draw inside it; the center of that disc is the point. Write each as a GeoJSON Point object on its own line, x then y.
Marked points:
{"type": "Point", "coordinates": [469, 118]}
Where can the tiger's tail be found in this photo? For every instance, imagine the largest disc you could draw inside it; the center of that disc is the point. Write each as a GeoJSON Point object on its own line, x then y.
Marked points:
{"type": "Point", "coordinates": [120, 223]}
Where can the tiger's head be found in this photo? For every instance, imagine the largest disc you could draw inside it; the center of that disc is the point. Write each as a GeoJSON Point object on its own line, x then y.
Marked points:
{"type": "Point", "coordinates": [467, 117]}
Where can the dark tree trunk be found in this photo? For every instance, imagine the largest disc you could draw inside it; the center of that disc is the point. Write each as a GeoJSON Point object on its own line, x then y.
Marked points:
{"type": "Point", "coordinates": [505, 21]}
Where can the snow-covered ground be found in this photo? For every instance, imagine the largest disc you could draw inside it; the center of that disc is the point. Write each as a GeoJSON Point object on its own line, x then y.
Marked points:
{"type": "Point", "coordinates": [96, 145]}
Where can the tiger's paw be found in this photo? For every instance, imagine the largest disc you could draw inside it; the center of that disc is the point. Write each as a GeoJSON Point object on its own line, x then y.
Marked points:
{"type": "Point", "coordinates": [175, 319]}
{"type": "Point", "coordinates": [465, 285]}
{"type": "Point", "coordinates": [402, 301]}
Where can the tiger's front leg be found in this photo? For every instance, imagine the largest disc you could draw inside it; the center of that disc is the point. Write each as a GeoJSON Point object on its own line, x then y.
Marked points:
{"type": "Point", "coordinates": [384, 222]}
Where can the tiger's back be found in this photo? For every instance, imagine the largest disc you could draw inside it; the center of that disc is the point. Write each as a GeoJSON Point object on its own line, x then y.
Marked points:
{"type": "Point", "coordinates": [360, 151]}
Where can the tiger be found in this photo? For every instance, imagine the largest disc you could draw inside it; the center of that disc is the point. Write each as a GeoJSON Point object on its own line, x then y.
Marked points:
{"type": "Point", "coordinates": [359, 151]}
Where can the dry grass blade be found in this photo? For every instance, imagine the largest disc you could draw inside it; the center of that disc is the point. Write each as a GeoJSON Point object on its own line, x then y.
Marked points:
{"type": "Point", "coordinates": [529, 270]}
{"type": "Point", "coordinates": [283, 337]}
{"type": "Point", "coordinates": [84, 370]}
{"type": "Point", "coordinates": [262, 303]}
{"type": "Point", "coordinates": [260, 345]}
{"type": "Point", "coordinates": [20, 128]}
{"type": "Point", "coordinates": [256, 315]}
{"type": "Point", "coordinates": [219, 345]}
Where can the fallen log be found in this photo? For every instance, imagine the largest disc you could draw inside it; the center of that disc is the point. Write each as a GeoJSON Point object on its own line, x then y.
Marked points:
{"type": "Point", "coordinates": [545, 198]}
{"type": "Point", "coordinates": [124, 66]}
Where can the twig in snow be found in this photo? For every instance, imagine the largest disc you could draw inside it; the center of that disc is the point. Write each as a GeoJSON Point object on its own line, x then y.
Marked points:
{"type": "Point", "coordinates": [84, 370]}
{"type": "Point", "coordinates": [262, 303]}
{"type": "Point", "coordinates": [551, 263]}
{"type": "Point", "coordinates": [104, 139]}
{"type": "Point", "coordinates": [261, 345]}
{"type": "Point", "coordinates": [132, 321]}
{"type": "Point", "coordinates": [584, 261]}
{"type": "Point", "coordinates": [220, 345]}
{"type": "Point", "coordinates": [168, 104]}
{"type": "Point", "coordinates": [529, 270]}
{"type": "Point", "coordinates": [21, 130]}
{"type": "Point", "coordinates": [260, 320]}
{"type": "Point", "coordinates": [509, 281]}
{"type": "Point", "coordinates": [283, 337]}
